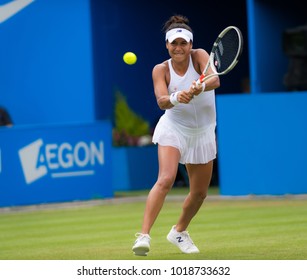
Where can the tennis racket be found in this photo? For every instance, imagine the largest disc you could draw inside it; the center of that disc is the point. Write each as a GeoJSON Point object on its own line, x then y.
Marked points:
{"type": "Point", "coordinates": [225, 53]}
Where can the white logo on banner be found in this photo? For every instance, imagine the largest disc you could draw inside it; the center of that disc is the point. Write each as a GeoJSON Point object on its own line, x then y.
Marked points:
{"type": "Point", "coordinates": [38, 159]}
{"type": "Point", "coordinates": [12, 8]}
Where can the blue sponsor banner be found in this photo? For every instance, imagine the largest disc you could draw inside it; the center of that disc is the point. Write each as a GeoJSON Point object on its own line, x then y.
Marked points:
{"type": "Point", "coordinates": [46, 61]}
{"type": "Point", "coordinates": [42, 164]}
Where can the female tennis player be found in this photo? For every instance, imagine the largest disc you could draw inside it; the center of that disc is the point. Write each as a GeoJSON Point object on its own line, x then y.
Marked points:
{"type": "Point", "coordinates": [185, 133]}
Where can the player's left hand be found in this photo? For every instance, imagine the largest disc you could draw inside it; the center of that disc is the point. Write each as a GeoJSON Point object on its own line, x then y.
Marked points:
{"type": "Point", "coordinates": [196, 89]}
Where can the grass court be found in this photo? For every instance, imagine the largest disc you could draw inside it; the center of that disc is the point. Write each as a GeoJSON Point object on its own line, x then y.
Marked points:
{"type": "Point", "coordinates": [268, 228]}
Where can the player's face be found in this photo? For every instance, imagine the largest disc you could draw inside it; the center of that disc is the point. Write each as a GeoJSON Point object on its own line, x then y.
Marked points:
{"type": "Point", "coordinates": [179, 48]}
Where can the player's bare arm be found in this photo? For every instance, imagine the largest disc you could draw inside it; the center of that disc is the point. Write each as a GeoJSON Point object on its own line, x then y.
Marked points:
{"type": "Point", "coordinates": [200, 60]}
{"type": "Point", "coordinates": [159, 76]}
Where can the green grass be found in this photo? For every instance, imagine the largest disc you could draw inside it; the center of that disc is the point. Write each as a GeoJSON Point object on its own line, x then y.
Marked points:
{"type": "Point", "coordinates": [223, 230]}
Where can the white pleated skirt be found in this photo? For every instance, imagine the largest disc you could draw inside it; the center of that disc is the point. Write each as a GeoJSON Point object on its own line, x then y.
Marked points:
{"type": "Point", "coordinates": [196, 145]}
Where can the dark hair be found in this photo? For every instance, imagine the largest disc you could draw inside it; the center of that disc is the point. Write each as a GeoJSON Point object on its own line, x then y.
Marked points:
{"type": "Point", "coordinates": [177, 21]}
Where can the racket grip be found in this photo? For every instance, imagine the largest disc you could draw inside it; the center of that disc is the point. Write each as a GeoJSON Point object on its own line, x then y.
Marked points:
{"type": "Point", "coordinates": [198, 82]}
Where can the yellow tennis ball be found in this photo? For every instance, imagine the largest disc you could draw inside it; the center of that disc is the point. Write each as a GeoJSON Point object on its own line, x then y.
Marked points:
{"type": "Point", "coordinates": [130, 58]}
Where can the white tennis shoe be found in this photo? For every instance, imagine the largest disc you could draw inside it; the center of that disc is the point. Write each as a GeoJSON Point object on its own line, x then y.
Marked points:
{"type": "Point", "coordinates": [182, 240]}
{"type": "Point", "coordinates": [141, 245]}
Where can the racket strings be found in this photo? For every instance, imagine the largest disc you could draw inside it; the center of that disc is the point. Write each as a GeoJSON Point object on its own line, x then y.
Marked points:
{"type": "Point", "coordinates": [227, 50]}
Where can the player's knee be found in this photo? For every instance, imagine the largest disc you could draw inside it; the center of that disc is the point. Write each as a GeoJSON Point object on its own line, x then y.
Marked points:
{"type": "Point", "coordinates": [165, 182]}
{"type": "Point", "coordinates": [199, 195]}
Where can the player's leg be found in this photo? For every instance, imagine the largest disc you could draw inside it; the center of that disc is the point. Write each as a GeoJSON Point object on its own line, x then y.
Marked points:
{"type": "Point", "coordinates": [168, 166]}
{"type": "Point", "coordinates": [199, 177]}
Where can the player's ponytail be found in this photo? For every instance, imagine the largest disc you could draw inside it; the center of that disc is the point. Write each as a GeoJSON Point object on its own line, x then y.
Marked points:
{"type": "Point", "coordinates": [177, 21]}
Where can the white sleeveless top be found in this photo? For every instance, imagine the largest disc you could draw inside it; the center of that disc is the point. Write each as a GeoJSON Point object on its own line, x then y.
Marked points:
{"type": "Point", "coordinates": [200, 112]}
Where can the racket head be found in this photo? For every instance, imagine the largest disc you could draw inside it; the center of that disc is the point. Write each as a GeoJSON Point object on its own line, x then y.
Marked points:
{"type": "Point", "coordinates": [226, 50]}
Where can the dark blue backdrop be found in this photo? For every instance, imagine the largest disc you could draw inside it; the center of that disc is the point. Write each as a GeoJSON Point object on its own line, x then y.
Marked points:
{"type": "Point", "coordinates": [120, 26]}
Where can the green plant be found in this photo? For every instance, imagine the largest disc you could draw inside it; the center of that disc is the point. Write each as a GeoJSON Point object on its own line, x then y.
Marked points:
{"type": "Point", "coordinates": [129, 126]}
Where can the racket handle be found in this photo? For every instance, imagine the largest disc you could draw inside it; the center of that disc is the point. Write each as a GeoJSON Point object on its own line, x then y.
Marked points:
{"type": "Point", "coordinates": [200, 80]}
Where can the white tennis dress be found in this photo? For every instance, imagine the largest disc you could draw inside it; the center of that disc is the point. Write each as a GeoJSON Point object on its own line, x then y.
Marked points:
{"type": "Point", "coordinates": [189, 127]}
